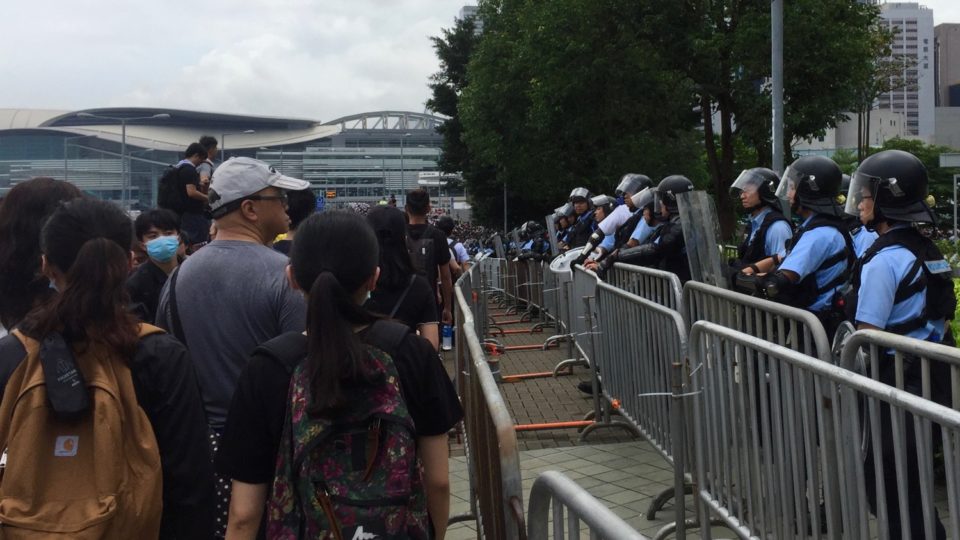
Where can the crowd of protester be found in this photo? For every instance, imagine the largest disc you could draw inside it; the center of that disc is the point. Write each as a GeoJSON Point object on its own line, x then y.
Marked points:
{"type": "Point", "coordinates": [266, 366]}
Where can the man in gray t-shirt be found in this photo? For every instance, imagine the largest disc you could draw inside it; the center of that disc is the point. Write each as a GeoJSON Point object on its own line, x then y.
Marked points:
{"type": "Point", "coordinates": [233, 294]}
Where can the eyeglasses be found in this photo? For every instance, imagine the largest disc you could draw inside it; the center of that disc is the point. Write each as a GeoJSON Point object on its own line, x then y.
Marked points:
{"type": "Point", "coordinates": [282, 197]}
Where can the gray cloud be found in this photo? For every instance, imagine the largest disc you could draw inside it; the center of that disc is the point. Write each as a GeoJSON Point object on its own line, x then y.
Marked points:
{"type": "Point", "coordinates": [305, 58]}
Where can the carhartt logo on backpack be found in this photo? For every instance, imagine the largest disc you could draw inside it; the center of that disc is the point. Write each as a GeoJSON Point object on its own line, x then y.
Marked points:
{"type": "Point", "coordinates": [66, 446]}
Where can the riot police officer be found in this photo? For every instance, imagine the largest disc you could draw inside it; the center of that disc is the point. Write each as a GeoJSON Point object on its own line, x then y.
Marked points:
{"type": "Point", "coordinates": [535, 247]}
{"type": "Point", "coordinates": [911, 294]}
{"type": "Point", "coordinates": [583, 223]}
{"type": "Point", "coordinates": [635, 231]}
{"type": "Point", "coordinates": [665, 249]}
{"type": "Point", "coordinates": [562, 219]}
{"type": "Point", "coordinates": [821, 253]}
{"type": "Point", "coordinates": [768, 230]}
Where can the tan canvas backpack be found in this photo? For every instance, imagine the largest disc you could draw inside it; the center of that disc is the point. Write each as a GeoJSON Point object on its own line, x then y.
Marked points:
{"type": "Point", "coordinates": [94, 477]}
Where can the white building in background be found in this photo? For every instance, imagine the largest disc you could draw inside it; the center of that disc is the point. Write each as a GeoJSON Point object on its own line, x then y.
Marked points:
{"type": "Point", "coordinates": [912, 24]}
{"type": "Point", "coordinates": [884, 125]}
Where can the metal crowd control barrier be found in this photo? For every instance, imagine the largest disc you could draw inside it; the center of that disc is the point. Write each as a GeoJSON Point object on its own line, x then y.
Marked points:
{"type": "Point", "coordinates": [641, 355]}
{"type": "Point", "coordinates": [907, 355]}
{"type": "Point", "coordinates": [491, 443]}
{"type": "Point", "coordinates": [658, 286]}
{"type": "Point", "coordinates": [564, 494]}
{"type": "Point", "coordinates": [778, 445]}
{"type": "Point", "coordinates": [777, 323]}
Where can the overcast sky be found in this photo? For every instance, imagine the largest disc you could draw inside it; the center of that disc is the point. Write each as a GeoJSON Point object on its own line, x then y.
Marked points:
{"type": "Point", "coordinates": [318, 59]}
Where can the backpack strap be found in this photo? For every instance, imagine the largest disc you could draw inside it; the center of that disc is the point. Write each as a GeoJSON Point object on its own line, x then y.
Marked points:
{"type": "Point", "coordinates": [403, 296]}
{"type": "Point", "coordinates": [175, 323]}
{"type": "Point", "coordinates": [387, 336]}
{"type": "Point", "coordinates": [12, 354]}
{"type": "Point", "coordinates": [287, 349]}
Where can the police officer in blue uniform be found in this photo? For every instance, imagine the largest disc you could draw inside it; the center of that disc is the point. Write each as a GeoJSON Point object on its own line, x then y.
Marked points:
{"type": "Point", "coordinates": [583, 223]}
{"type": "Point", "coordinates": [625, 215]}
{"type": "Point", "coordinates": [635, 231]}
{"type": "Point", "coordinates": [768, 230]}
{"type": "Point", "coordinates": [666, 249]}
{"type": "Point", "coordinates": [821, 253]}
{"type": "Point", "coordinates": [908, 290]}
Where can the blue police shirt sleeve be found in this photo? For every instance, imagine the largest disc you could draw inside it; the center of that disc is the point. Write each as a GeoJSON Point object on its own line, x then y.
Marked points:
{"type": "Point", "coordinates": [776, 240]}
{"type": "Point", "coordinates": [863, 240]}
{"type": "Point", "coordinates": [642, 231]}
{"type": "Point", "coordinates": [814, 247]}
{"type": "Point", "coordinates": [879, 284]}
{"type": "Point", "coordinates": [608, 242]}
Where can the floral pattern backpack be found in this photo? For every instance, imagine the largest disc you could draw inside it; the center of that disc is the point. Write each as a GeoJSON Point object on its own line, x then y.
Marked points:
{"type": "Point", "coordinates": [358, 475]}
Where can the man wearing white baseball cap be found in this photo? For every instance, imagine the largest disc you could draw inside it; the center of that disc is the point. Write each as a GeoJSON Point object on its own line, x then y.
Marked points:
{"type": "Point", "coordinates": [232, 295]}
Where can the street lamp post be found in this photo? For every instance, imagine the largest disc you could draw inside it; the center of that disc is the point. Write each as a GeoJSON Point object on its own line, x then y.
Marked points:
{"type": "Point", "coordinates": [223, 142]}
{"type": "Point", "coordinates": [124, 170]}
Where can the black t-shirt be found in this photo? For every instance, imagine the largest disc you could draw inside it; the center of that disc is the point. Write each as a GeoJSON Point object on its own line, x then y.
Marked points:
{"type": "Point", "coordinates": [419, 306]}
{"type": "Point", "coordinates": [440, 252]}
{"type": "Point", "coordinates": [144, 286]}
{"type": "Point", "coordinates": [187, 175]}
{"type": "Point", "coordinates": [251, 437]}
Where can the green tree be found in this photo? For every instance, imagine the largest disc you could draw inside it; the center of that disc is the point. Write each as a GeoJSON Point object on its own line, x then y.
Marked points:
{"type": "Point", "coordinates": [567, 93]}
{"type": "Point", "coordinates": [722, 47]}
{"type": "Point", "coordinates": [846, 159]}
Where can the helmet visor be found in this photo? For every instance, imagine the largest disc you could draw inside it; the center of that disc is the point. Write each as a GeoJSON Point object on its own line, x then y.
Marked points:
{"type": "Point", "coordinates": [748, 182]}
{"type": "Point", "coordinates": [579, 194]}
{"type": "Point", "coordinates": [628, 186]}
{"type": "Point", "coordinates": [788, 184]}
{"type": "Point", "coordinates": [862, 186]}
{"type": "Point", "coordinates": [643, 199]}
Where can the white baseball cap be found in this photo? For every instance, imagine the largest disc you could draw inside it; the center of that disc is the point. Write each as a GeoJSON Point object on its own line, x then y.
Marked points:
{"type": "Point", "coordinates": [240, 177]}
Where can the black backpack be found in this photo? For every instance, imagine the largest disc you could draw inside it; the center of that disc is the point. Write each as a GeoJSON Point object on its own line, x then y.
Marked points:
{"type": "Point", "coordinates": [423, 257]}
{"type": "Point", "coordinates": [170, 193]}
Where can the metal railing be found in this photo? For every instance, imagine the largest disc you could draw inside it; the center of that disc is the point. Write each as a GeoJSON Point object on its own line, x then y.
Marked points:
{"type": "Point", "coordinates": [658, 286]}
{"type": "Point", "coordinates": [933, 369]}
{"type": "Point", "coordinates": [553, 488]}
{"type": "Point", "coordinates": [491, 443]}
{"type": "Point", "coordinates": [641, 356]}
{"type": "Point", "coordinates": [781, 452]}
{"type": "Point", "coordinates": [777, 323]}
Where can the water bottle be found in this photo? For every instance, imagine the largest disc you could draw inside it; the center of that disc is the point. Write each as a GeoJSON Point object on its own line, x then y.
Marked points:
{"type": "Point", "coordinates": [447, 333]}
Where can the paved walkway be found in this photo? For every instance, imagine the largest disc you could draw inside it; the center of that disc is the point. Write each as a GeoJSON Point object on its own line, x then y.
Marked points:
{"type": "Point", "coordinates": [623, 472]}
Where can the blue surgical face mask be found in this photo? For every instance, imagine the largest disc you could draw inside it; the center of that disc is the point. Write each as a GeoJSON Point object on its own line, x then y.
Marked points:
{"type": "Point", "coordinates": [163, 248]}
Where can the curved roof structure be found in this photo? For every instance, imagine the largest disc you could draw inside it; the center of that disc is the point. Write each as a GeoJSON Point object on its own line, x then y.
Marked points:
{"type": "Point", "coordinates": [173, 133]}
{"type": "Point", "coordinates": [389, 120]}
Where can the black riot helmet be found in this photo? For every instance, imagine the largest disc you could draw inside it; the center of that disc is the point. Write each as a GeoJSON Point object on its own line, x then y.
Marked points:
{"type": "Point", "coordinates": [897, 181]}
{"type": "Point", "coordinates": [531, 230]}
{"type": "Point", "coordinates": [632, 183]}
{"type": "Point", "coordinates": [563, 211]}
{"type": "Point", "coordinates": [579, 194]}
{"type": "Point", "coordinates": [667, 191]}
{"type": "Point", "coordinates": [760, 179]}
{"type": "Point", "coordinates": [816, 182]}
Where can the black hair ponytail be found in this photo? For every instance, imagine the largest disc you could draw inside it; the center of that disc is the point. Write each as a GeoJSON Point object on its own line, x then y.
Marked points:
{"type": "Point", "coordinates": [333, 254]}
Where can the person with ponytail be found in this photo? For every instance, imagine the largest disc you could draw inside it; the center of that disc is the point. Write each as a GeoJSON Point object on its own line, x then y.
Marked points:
{"type": "Point", "coordinates": [86, 255]}
{"type": "Point", "coordinates": [23, 212]}
{"type": "Point", "coordinates": [333, 260]}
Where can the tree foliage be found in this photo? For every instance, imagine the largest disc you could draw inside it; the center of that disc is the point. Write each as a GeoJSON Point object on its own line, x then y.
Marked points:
{"type": "Point", "coordinates": [578, 92]}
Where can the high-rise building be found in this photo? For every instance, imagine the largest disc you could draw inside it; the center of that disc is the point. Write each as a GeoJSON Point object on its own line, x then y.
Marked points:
{"type": "Point", "coordinates": [471, 12]}
{"type": "Point", "coordinates": [947, 39]}
{"type": "Point", "coordinates": [913, 41]}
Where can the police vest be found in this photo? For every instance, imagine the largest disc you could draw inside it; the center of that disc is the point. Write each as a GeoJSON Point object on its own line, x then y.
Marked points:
{"type": "Point", "coordinates": [751, 251]}
{"type": "Point", "coordinates": [935, 276]}
{"type": "Point", "coordinates": [807, 291]}
{"type": "Point", "coordinates": [622, 236]}
{"type": "Point", "coordinates": [581, 230]}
